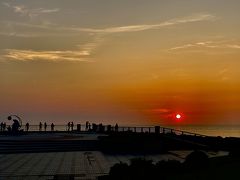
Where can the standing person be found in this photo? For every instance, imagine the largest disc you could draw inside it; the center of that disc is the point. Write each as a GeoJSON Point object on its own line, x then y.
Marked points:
{"type": "Point", "coordinates": [52, 127]}
{"type": "Point", "coordinates": [40, 126]}
{"type": "Point", "coordinates": [86, 126]}
{"type": "Point", "coordinates": [116, 127]}
{"type": "Point", "coordinates": [15, 126]}
{"type": "Point", "coordinates": [72, 126]}
{"type": "Point", "coordinates": [27, 126]}
{"type": "Point", "coordinates": [4, 126]}
{"type": "Point", "coordinates": [68, 126]}
{"type": "Point", "coordinates": [45, 126]}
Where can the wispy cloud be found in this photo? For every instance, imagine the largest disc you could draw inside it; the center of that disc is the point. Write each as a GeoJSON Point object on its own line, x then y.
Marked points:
{"type": "Point", "coordinates": [144, 27]}
{"type": "Point", "coordinates": [119, 29]}
{"type": "Point", "coordinates": [31, 55]}
{"type": "Point", "coordinates": [91, 46]}
{"type": "Point", "coordinates": [25, 11]}
{"type": "Point", "coordinates": [83, 53]}
{"type": "Point", "coordinates": [207, 44]}
{"type": "Point", "coordinates": [26, 34]}
{"type": "Point", "coordinates": [86, 50]}
{"type": "Point", "coordinates": [161, 110]}
{"type": "Point", "coordinates": [233, 46]}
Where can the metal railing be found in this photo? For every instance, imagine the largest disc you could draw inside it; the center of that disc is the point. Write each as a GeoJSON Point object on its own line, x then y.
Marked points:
{"type": "Point", "coordinates": [109, 128]}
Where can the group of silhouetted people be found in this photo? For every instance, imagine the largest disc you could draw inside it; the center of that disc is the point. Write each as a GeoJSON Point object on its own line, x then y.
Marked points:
{"type": "Point", "coordinates": [99, 127]}
{"type": "Point", "coordinates": [15, 127]}
{"type": "Point", "coordinates": [70, 126]}
{"type": "Point", "coordinates": [45, 126]}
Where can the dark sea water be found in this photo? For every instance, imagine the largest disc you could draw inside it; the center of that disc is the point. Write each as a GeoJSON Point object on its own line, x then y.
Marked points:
{"type": "Point", "coordinates": [210, 130]}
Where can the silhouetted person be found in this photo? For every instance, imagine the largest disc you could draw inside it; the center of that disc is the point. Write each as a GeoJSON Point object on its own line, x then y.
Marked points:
{"type": "Point", "coordinates": [94, 127]}
{"type": "Point", "coordinates": [100, 127]}
{"type": "Point", "coordinates": [4, 126]}
{"type": "Point", "coordinates": [68, 126]}
{"type": "Point", "coordinates": [52, 127]}
{"type": "Point", "coordinates": [40, 126]}
{"type": "Point", "coordinates": [45, 126]}
{"type": "Point", "coordinates": [116, 127]}
{"type": "Point", "coordinates": [1, 126]}
{"type": "Point", "coordinates": [27, 126]}
{"type": "Point", "coordinates": [72, 126]}
{"type": "Point", "coordinates": [15, 125]}
{"type": "Point", "coordinates": [86, 127]}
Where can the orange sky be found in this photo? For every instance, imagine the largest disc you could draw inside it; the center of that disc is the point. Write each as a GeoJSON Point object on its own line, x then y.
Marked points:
{"type": "Point", "coordinates": [137, 62]}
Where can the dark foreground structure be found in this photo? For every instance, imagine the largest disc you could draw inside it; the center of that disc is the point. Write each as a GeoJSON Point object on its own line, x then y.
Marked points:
{"type": "Point", "coordinates": [197, 165]}
{"type": "Point", "coordinates": [161, 153]}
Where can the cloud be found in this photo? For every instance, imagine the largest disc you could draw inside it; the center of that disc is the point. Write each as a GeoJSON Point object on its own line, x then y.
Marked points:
{"type": "Point", "coordinates": [6, 4]}
{"type": "Point", "coordinates": [25, 34]}
{"type": "Point", "coordinates": [185, 46]}
{"type": "Point", "coordinates": [161, 110]}
{"type": "Point", "coordinates": [233, 46]}
{"type": "Point", "coordinates": [207, 44]}
{"type": "Point", "coordinates": [24, 11]}
{"type": "Point", "coordinates": [41, 10]}
{"type": "Point", "coordinates": [31, 55]}
{"type": "Point", "coordinates": [111, 30]}
{"type": "Point", "coordinates": [91, 46]}
{"type": "Point", "coordinates": [83, 52]}
{"type": "Point", "coordinates": [87, 49]}
{"type": "Point", "coordinates": [144, 27]}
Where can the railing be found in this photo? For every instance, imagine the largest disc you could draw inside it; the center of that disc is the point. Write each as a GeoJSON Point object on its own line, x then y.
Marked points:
{"type": "Point", "coordinates": [109, 128]}
{"type": "Point", "coordinates": [153, 129]}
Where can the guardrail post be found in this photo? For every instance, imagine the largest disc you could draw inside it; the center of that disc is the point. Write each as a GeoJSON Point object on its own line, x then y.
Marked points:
{"type": "Point", "coordinates": [157, 129]}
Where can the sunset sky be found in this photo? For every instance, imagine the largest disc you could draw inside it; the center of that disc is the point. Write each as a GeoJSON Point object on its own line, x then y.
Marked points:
{"type": "Point", "coordinates": [125, 61]}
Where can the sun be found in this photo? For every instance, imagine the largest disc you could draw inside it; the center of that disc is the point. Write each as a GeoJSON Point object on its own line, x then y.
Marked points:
{"type": "Point", "coordinates": [178, 116]}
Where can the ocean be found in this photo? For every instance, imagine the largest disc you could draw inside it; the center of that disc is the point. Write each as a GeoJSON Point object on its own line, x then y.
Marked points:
{"type": "Point", "coordinates": [212, 130]}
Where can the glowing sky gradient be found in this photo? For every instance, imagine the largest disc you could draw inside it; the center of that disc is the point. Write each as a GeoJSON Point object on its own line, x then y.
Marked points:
{"type": "Point", "coordinates": [125, 61]}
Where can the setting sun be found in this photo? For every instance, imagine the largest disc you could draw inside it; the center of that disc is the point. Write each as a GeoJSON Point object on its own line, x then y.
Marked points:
{"type": "Point", "coordinates": [178, 116]}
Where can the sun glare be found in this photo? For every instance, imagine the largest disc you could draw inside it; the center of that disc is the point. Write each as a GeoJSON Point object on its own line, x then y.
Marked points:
{"type": "Point", "coordinates": [178, 116]}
